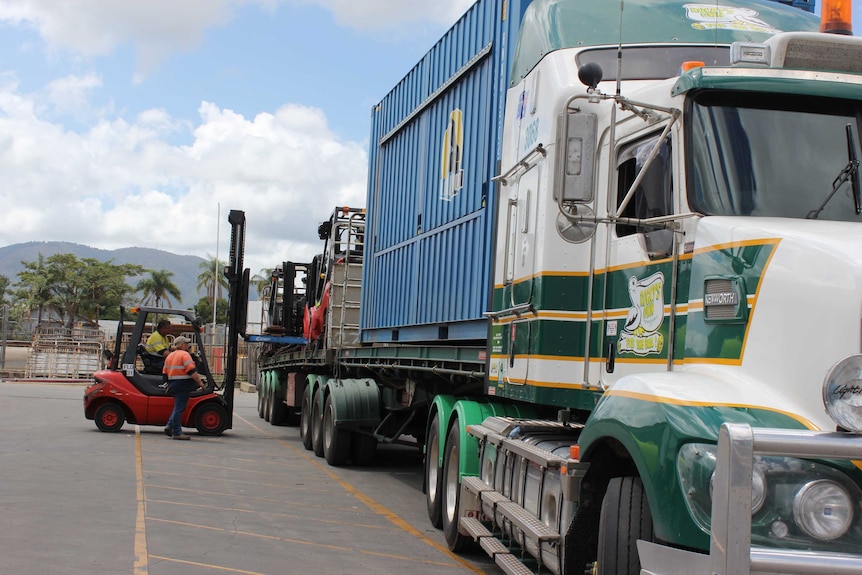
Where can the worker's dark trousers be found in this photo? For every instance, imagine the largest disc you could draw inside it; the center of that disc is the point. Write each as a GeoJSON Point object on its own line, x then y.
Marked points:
{"type": "Point", "coordinates": [181, 389]}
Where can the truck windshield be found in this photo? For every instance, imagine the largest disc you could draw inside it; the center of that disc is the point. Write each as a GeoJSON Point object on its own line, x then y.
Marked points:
{"type": "Point", "coordinates": [769, 155]}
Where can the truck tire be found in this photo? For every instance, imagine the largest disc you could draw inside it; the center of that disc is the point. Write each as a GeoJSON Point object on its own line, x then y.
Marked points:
{"type": "Point", "coordinates": [362, 449]}
{"type": "Point", "coordinates": [305, 418]}
{"type": "Point", "coordinates": [110, 417]}
{"type": "Point", "coordinates": [336, 442]}
{"type": "Point", "coordinates": [625, 518]}
{"type": "Point", "coordinates": [316, 426]}
{"type": "Point", "coordinates": [451, 493]}
{"type": "Point", "coordinates": [211, 419]}
{"type": "Point", "coordinates": [433, 474]}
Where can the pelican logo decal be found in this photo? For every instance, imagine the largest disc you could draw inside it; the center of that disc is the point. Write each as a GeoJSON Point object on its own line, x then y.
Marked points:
{"type": "Point", "coordinates": [451, 172]}
{"type": "Point", "coordinates": [640, 334]}
{"type": "Point", "coordinates": [715, 17]}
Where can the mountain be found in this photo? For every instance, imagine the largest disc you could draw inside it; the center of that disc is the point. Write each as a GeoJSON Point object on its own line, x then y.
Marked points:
{"type": "Point", "coordinates": [185, 268]}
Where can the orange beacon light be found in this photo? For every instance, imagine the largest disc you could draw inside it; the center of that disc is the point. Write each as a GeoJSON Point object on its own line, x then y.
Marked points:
{"type": "Point", "coordinates": [836, 18]}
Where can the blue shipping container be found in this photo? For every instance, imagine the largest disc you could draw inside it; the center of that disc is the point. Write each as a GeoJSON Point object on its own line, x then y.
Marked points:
{"type": "Point", "coordinates": [435, 146]}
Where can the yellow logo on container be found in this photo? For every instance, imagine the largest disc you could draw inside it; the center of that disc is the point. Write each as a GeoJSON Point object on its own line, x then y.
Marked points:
{"type": "Point", "coordinates": [452, 156]}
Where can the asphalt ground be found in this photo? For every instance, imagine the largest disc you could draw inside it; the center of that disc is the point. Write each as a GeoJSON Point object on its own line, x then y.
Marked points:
{"type": "Point", "coordinates": [74, 500]}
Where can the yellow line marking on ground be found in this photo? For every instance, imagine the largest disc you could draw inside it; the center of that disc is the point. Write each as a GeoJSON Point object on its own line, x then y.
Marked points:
{"type": "Point", "coordinates": [313, 544]}
{"type": "Point", "coordinates": [206, 565]}
{"type": "Point", "coordinates": [371, 504]}
{"type": "Point", "coordinates": [151, 501]}
{"type": "Point", "coordinates": [141, 566]}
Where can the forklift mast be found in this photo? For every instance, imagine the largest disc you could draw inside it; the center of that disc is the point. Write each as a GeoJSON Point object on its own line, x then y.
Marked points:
{"type": "Point", "coordinates": [238, 280]}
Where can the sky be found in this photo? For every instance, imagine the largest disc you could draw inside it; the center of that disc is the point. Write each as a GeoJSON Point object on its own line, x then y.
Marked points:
{"type": "Point", "coordinates": [143, 122]}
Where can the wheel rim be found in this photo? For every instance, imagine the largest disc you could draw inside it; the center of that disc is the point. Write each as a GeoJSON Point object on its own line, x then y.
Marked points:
{"type": "Point", "coordinates": [315, 421]}
{"type": "Point", "coordinates": [433, 467]}
{"type": "Point", "coordinates": [210, 419]}
{"type": "Point", "coordinates": [328, 428]}
{"type": "Point", "coordinates": [452, 483]}
{"type": "Point", "coordinates": [109, 418]}
{"type": "Point", "coordinates": [304, 417]}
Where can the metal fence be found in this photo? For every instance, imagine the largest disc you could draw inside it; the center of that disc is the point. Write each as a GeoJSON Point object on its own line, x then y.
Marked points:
{"type": "Point", "coordinates": [64, 353]}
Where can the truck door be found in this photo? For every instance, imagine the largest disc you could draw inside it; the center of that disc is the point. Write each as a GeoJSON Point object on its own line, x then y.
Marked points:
{"type": "Point", "coordinates": [521, 268]}
{"type": "Point", "coordinates": [640, 267]}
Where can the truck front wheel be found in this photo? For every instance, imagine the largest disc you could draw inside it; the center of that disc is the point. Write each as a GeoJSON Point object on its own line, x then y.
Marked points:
{"type": "Point", "coordinates": [625, 518]}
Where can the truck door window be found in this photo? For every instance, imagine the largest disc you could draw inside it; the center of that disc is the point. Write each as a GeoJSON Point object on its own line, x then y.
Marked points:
{"type": "Point", "coordinates": [653, 196]}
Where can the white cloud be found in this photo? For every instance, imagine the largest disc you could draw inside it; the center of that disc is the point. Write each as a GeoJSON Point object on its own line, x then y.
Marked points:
{"type": "Point", "coordinates": [70, 94]}
{"type": "Point", "coordinates": [122, 184]}
{"type": "Point", "coordinates": [96, 27]}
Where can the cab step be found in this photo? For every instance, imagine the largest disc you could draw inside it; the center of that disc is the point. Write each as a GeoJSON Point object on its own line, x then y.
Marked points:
{"type": "Point", "coordinates": [507, 562]}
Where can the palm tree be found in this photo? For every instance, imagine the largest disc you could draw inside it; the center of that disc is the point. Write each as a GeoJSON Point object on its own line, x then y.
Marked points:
{"type": "Point", "coordinates": [262, 280]}
{"type": "Point", "coordinates": [158, 287]}
{"type": "Point", "coordinates": [212, 278]}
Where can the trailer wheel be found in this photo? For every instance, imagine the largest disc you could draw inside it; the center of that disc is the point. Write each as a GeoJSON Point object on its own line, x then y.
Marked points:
{"type": "Point", "coordinates": [625, 518]}
{"type": "Point", "coordinates": [362, 449]}
{"type": "Point", "coordinates": [305, 418]}
{"type": "Point", "coordinates": [110, 417]}
{"type": "Point", "coordinates": [211, 419]}
{"type": "Point", "coordinates": [433, 474]}
{"type": "Point", "coordinates": [316, 425]}
{"type": "Point", "coordinates": [451, 494]}
{"type": "Point", "coordinates": [336, 442]}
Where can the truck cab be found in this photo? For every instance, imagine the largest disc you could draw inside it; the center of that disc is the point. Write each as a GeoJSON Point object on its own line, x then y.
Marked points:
{"type": "Point", "coordinates": [678, 232]}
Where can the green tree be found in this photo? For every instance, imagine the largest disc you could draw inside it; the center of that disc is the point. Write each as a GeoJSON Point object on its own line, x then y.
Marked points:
{"type": "Point", "coordinates": [71, 287]}
{"type": "Point", "coordinates": [204, 309]}
{"type": "Point", "coordinates": [106, 286]}
{"type": "Point", "coordinates": [157, 288]}
{"type": "Point", "coordinates": [212, 278]}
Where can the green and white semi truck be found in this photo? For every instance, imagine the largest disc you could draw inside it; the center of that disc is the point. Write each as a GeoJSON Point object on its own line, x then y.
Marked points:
{"type": "Point", "coordinates": [609, 279]}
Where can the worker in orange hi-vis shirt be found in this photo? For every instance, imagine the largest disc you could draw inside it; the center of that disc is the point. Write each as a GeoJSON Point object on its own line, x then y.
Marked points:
{"type": "Point", "coordinates": [182, 377]}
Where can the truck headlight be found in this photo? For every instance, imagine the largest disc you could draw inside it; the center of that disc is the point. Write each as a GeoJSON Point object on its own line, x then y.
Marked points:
{"type": "Point", "coordinates": [823, 509]}
{"type": "Point", "coordinates": [795, 503]}
{"type": "Point", "coordinates": [842, 393]}
{"type": "Point", "coordinates": [696, 468]}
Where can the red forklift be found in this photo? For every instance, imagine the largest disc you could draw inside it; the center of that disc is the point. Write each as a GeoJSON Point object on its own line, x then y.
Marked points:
{"type": "Point", "coordinates": [131, 387]}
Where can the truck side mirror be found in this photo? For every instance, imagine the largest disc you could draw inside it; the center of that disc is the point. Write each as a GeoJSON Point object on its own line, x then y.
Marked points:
{"type": "Point", "coordinates": [576, 145]}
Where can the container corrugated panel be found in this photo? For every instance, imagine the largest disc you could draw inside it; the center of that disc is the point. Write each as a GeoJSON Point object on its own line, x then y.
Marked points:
{"type": "Point", "coordinates": [434, 149]}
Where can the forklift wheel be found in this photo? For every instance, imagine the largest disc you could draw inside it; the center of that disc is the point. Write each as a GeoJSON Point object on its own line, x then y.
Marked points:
{"type": "Point", "coordinates": [110, 417]}
{"type": "Point", "coordinates": [211, 419]}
